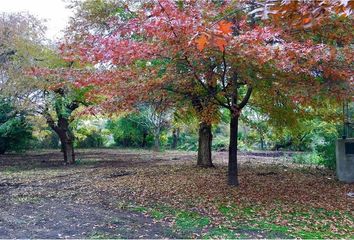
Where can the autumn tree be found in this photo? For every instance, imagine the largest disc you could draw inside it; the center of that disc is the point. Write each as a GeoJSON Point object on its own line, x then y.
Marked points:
{"type": "Point", "coordinates": [32, 76]}
{"type": "Point", "coordinates": [215, 55]}
{"type": "Point", "coordinates": [104, 19]}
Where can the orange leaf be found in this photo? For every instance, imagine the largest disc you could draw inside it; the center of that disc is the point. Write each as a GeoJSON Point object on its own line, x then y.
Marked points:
{"type": "Point", "coordinates": [201, 42]}
{"type": "Point", "coordinates": [306, 20]}
{"type": "Point", "coordinates": [225, 27]}
{"type": "Point", "coordinates": [220, 43]}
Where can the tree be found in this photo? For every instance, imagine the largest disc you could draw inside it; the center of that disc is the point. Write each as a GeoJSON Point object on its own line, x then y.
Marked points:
{"type": "Point", "coordinates": [98, 17]}
{"type": "Point", "coordinates": [257, 121]}
{"type": "Point", "coordinates": [217, 55]}
{"type": "Point", "coordinates": [15, 131]}
{"type": "Point", "coordinates": [32, 77]}
{"type": "Point", "coordinates": [155, 118]}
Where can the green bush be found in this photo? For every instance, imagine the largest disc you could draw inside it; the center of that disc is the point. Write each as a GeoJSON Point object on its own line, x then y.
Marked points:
{"type": "Point", "coordinates": [308, 158]}
{"type": "Point", "coordinates": [92, 140]}
{"type": "Point", "coordinates": [188, 142]}
{"type": "Point", "coordinates": [320, 142]}
{"type": "Point", "coordinates": [50, 141]}
{"type": "Point", "coordinates": [128, 131]}
{"type": "Point", "coordinates": [220, 143]}
{"type": "Point", "coordinates": [15, 131]}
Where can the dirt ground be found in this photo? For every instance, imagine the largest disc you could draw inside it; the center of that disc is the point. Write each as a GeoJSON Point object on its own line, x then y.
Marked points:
{"type": "Point", "coordinates": [41, 198]}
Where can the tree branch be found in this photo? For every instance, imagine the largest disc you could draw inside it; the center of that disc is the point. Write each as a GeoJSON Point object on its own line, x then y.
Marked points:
{"type": "Point", "coordinates": [246, 98]}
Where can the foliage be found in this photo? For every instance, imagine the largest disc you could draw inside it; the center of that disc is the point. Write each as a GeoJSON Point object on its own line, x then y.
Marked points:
{"type": "Point", "coordinates": [129, 132]}
{"type": "Point", "coordinates": [212, 55]}
{"type": "Point", "coordinates": [328, 134]}
{"type": "Point", "coordinates": [15, 131]}
{"type": "Point", "coordinates": [49, 141]}
{"type": "Point", "coordinates": [91, 133]}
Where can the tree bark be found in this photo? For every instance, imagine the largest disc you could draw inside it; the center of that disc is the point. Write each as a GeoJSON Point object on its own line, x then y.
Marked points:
{"type": "Point", "coordinates": [157, 141]}
{"type": "Point", "coordinates": [175, 137]}
{"type": "Point", "coordinates": [144, 143]}
{"type": "Point", "coordinates": [204, 147]}
{"type": "Point", "coordinates": [262, 143]}
{"type": "Point", "coordinates": [3, 146]}
{"type": "Point", "coordinates": [67, 146]}
{"type": "Point", "coordinates": [232, 168]}
{"type": "Point", "coordinates": [65, 136]}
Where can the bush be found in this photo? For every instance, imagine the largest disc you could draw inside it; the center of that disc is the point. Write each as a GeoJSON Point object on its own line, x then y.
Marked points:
{"type": "Point", "coordinates": [15, 131]}
{"type": "Point", "coordinates": [220, 143]}
{"type": "Point", "coordinates": [308, 158]}
{"type": "Point", "coordinates": [49, 141]}
{"type": "Point", "coordinates": [129, 132]}
{"type": "Point", "coordinates": [92, 140]}
{"type": "Point", "coordinates": [188, 142]}
{"type": "Point", "coordinates": [321, 142]}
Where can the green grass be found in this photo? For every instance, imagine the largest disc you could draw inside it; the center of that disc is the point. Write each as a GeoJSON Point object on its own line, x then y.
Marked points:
{"type": "Point", "coordinates": [189, 221]}
{"type": "Point", "coordinates": [185, 222]}
{"type": "Point", "coordinates": [246, 222]}
{"type": "Point", "coordinates": [99, 235]}
{"type": "Point", "coordinates": [299, 224]}
{"type": "Point", "coordinates": [220, 232]}
{"type": "Point", "coordinates": [26, 199]}
{"type": "Point", "coordinates": [15, 169]}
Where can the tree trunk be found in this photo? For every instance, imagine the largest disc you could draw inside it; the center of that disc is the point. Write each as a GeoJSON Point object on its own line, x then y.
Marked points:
{"type": "Point", "coordinates": [67, 146]}
{"type": "Point", "coordinates": [175, 136]}
{"type": "Point", "coordinates": [262, 143]}
{"type": "Point", "coordinates": [233, 170]}
{"type": "Point", "coordinates": [157, 141]}
{"type": "Point", "coordinates": [204, 147]}
{"type": "Point", "coordinates": [3, 146]}
{"type": "Point", "coordinates": [143, 144]}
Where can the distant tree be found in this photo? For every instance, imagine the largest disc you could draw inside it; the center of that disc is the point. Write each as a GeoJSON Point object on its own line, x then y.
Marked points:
{"type": "Point", "coordinates": [15, 130]}
{"type": "Point", "coordinates": [129, 131]}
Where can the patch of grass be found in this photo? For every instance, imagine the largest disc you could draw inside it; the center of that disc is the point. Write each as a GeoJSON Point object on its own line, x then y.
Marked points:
{"type": "Point", "coordinates": [14, 169]}
{"type": "Point", "coordinates": [83, 162]}
{"type": "Point", "coordinates": [273, 227]}
{"type": "Point", "coordinates": [157, 214]}
{"type": "Point", "coordinates": [26, 199]}
{"type": "Point", "coordinates": [185, 222]}
{"type": "Point", "coordinates": [220, 233]}
{"type": "Point", "coordinates": [99, 235]}
{"type": "Point", "coordinates": [314, 223]}
{"type": "Point", "coordinates": [227, 211]}
{"type": "Point", "coordinates": [188, 221]}
{"type": "Point", "coordinates": [140, 209]}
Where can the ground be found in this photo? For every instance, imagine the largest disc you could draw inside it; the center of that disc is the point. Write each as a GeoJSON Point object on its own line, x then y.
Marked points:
{"type": "Point", "coordinates": [142, 194]}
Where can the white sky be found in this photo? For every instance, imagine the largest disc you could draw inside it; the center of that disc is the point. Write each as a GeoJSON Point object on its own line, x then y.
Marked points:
{"type": "Point", "coordinates": [53, 11]}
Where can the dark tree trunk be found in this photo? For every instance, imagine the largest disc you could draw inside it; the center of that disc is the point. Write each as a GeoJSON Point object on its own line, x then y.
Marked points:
{"type": "Point", "coordinates": [66, 137]}
{"type": "Point", "coordinates": [157, 142]}
{"type": "Point", "coordinates": [3, 146]}
{"type": "Point", "coordinates": [233, 170]}
{"type": "Point", "coordinates": [175, 137]}
{"type": "Point", "coordinates": [262, 143]}
{"type": "Point", "coordinates": [67, 146]}
{"type": "Point", "coordinates": [144, 143]}
{"type": "Point", "coordinates": [204, 148]}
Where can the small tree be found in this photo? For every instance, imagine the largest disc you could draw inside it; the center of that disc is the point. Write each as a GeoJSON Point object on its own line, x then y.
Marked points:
{"type": "Point", "coordinates": [15, 131]}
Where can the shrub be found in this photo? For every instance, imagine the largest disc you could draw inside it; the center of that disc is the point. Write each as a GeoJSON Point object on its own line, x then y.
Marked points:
{"type": "Point", "coordinates": [308, 158]}
{"type": "Point", "coordinates": [129, 132]}
{"type": "Point", "coordinates": [15, 131]}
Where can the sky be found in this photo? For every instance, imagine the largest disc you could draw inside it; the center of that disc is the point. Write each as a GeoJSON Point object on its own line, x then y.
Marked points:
{"type": "Point", "coordinates": [53, 11]}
